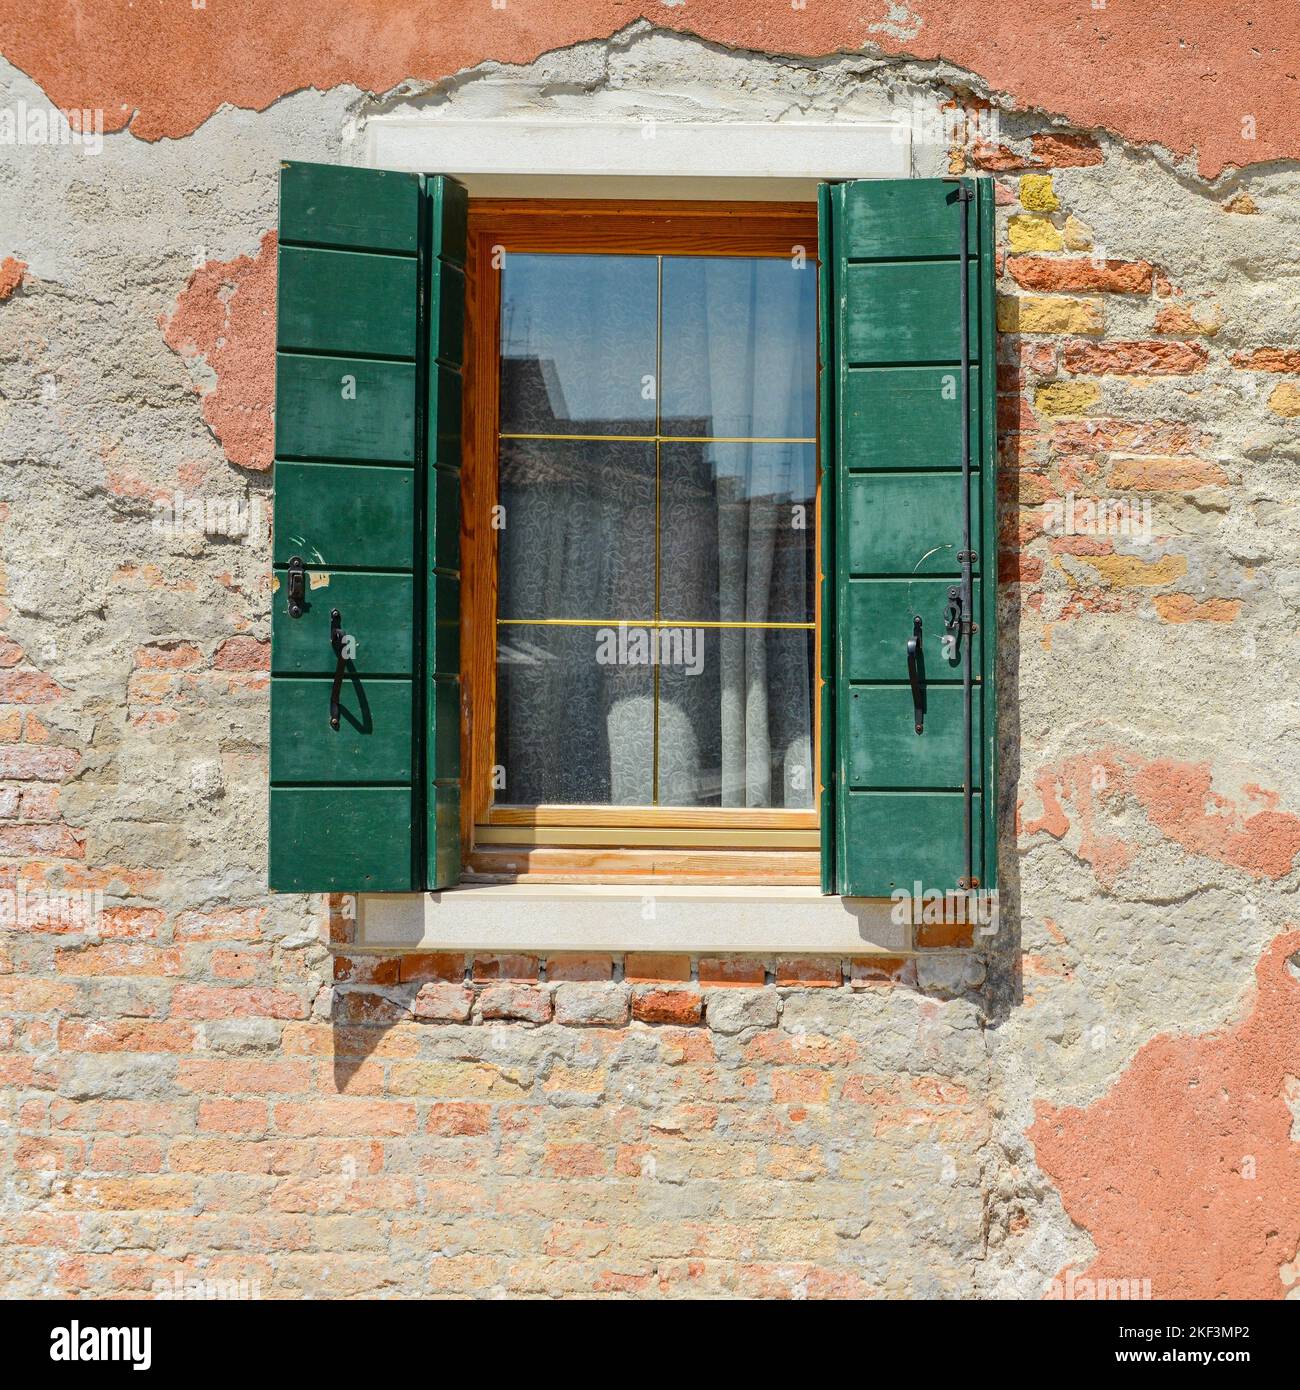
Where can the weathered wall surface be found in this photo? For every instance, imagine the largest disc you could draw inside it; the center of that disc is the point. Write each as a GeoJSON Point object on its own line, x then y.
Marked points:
{"type": "Point", "coordinates": [201, 1082]}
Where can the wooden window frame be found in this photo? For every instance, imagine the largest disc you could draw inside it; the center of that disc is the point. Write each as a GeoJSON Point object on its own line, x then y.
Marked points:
{"type": "Point", "coordinates": [581, 843]}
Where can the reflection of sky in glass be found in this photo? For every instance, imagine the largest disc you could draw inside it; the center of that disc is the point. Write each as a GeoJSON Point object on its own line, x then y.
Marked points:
{"type": "Point", "coordinates": [590, 324]}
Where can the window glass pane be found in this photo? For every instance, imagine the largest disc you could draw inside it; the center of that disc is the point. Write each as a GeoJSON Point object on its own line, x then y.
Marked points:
{"type": "Point", "coordinates": [737, 530]}
{"type": "Point", "coordinates": [578, 344]}
{"type": "Point", "coordinates": [576, 535]}
{"type": "Point", "coordinates": [735, 719]}
{"type": "Point", "coordinates": [613, 552]}
{"type": "Point", "coordinates": [572, 725]}
{"type": "Point", "coordinates": [739, 348]}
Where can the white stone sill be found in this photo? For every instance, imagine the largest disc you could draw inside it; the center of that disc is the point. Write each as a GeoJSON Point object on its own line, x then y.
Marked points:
{"type": "Point", "coordinates": [696, 919]}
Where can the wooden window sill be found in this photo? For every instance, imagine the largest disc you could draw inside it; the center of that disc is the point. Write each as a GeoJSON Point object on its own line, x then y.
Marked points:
{"type": "Point", "coordinates": [653, 864]}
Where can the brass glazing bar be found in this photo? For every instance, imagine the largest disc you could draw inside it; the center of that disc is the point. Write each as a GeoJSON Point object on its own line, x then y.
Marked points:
{"type": "Point", "coordinates": [659, 423]}
{"type": "Point", "coordinates": [670, 438]}
{"type": "Point", "coordinates": [636, 622]}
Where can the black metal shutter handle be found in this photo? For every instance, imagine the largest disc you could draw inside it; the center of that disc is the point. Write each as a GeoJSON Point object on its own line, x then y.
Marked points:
{"type": "Point", "coordinates": [337, 638]}
{"type": "Point", "coordinates": [916, 674]}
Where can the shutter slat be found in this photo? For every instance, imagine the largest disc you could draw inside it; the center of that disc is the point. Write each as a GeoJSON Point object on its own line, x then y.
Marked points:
{"type": "Point", "coordinates": [358, 517]}
{"type": "Point", "coordinates": [360, 209]}
{"type": "Point", "coordinates": [346, 301]}
{"type": "Point", "coordinates": [330, 408]}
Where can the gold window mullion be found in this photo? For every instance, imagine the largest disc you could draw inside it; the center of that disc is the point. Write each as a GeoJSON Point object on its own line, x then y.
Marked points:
{"type": "Point", "coordinates": [659, 361]}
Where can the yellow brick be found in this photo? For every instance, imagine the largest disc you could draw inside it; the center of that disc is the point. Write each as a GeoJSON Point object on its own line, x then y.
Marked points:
{"type": "Point", "coordinates": [1045, 313]}
{"type": "Point", "coordinates": [1066, 397]}
{"type": "Point", "coordinates": [1032, 233]}
{"type": "Point", "coordinates": [1285, 399]}
{"type": "Point", "coordinates": [1037, 193]}
{"type": "Point", "coordinates": [1076, 235]}
{"type": "Point", "coordinates": [1128, 569]}
{"type": "Point", "coordinates": [590, 1080]}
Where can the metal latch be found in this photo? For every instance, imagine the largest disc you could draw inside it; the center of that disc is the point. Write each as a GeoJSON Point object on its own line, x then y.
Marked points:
{"type": "Point", "coordinates": [297, 588]}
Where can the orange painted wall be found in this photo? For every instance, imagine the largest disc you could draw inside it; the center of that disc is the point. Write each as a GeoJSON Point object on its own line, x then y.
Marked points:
{"type": "Point", "coordinates": [1199, 76]}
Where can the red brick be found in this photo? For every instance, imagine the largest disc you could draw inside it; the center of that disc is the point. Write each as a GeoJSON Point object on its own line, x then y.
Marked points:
{"type": "Point", "coordinates": [456, 1118]}
{"type": "Point", "coordinates": [233, 1116]}
{"type": "Point", "coordinates": [25, 764]}
{"type": "Point", "coordinates": [118, 958]}
{"type": "Point", "coordinates": [509, 1001]}
{"type": "Point", "coordinates": [28, 688]}
{"type": "Point", "coordinates": [48, 1154]}
{"type": "Point", "coordinates": [40, 802]}
{"type": "Point", "coordinates": [415, 969]}
{"type": "Point", "coordinates": [682, 1007]}
{"type": "Point", "coordinates": [122, 1117]}
{"type": "Point", "coordinates": [346, 1116]}
{"type": "Point", "coordinates": [1104, 435]}
{"type": "Point", "coordinates": [131, 923]}
{"type": "Point", "coordinates": [732, 970]}
{"type": "Point", "coordinates": [205, 1001]}
{"type": "Point", "coordinates": [1178, 321]}
{"type": "Point", "coordinates": [505, 968]}
{"type": "Point", "coordinates": [1149, 358]}
{"type": "Point", "coordinates": [1080, 273]}
{"type": "Point", "coordinates": [999, 159]}
{"type": "Point", "coordinates": [219, 1156]}
{"type": "Point", "coordinates": [573, 1161]}
{"type": "Point", "coordinates": [116, 1154]}
{"type": "Point", "coordinates": [11, 275]}
{"type": "Point", "coordinates": [243, 654]}
{"type": "Point", "coordinates": [652, 966]}
{"type": "Point", "coordinates": [1268, 359]}
{"type": "Point", "coordinates": [223, 924]}
{"type": "Point", "coordinates": [1151, 474]}
{"type": "Point", "coordinates": [20, 840]}
{"type": "Point", "coordinates": [168, 656]}
{"type": "Point", "coordinates": [368, 1006]}
{"type": "Point", "coordinates": [879, 970]}
{"type": "Point", "coordinates": [236, 1076]}
{"type": "Point", "coordinates": [124, 1035]}
{"type": "Point", "coordinates": [801, 1086]}
{"type": "Point", "coordinates": [1013, 413]}
{"type": "Point", "coordinates": [1185, 608]}
{"type": "Point", "coordinates": [444, 1002]}
{"type": "Point", "coordinates": [1064, 151]}
{"type": "Point", "coordinates": [818, 972]}
{"type": "Point", "coordinates": [576, 968]}
{"type": "Point", "coordinates": [367, 970]}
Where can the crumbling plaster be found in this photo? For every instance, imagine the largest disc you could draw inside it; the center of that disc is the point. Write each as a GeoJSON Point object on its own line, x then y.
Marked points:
{"type": "Point", "coordinates": [1218, 79]}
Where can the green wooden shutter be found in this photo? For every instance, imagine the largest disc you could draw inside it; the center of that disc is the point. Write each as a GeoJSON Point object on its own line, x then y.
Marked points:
{"type": "Point", "coordinates": [367, 497]}
{"type": "Point", "coordinates": [892, 457]}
